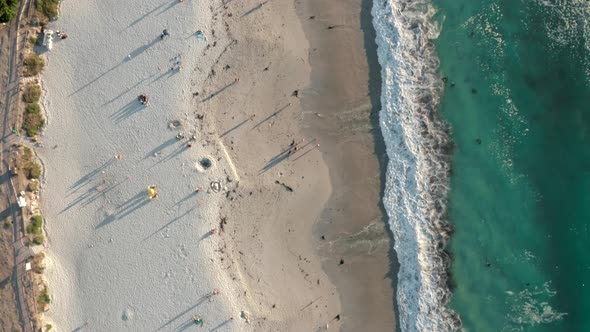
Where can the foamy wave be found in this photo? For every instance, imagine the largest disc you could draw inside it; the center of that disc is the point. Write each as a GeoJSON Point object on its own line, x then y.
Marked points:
{"type": "Point", "coordinates": [530, 307]}
{"type": "Point", "coordinates": [419, 148]}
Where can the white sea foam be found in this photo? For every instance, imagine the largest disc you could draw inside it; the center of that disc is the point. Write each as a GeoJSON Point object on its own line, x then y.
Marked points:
{"type": "Point", "coordinates": [419, 148]}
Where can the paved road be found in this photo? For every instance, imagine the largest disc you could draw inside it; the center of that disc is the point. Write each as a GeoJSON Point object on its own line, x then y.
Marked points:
{"type": "Point", "coordinates": [21, 252]}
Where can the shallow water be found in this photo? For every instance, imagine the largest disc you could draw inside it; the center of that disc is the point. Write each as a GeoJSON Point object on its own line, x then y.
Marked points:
{"type": "Point", "coordinates": [516, 100]}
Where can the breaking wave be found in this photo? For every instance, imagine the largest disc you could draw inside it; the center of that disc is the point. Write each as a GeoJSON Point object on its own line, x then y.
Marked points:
{"type": "Point", "coordinates": [419, 150]}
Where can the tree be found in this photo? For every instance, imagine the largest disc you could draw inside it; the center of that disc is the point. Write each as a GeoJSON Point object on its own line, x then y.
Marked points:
{"type": "Point", "coordinates": [8, 9]}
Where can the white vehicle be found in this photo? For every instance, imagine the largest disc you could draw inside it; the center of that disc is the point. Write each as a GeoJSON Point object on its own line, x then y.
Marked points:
{"type": "Point", "coordinates": [48, 39]}
{"type": "Point", "coordinates": [21, 200]}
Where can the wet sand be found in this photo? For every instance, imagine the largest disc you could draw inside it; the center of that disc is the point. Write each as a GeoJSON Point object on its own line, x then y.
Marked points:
{"type": "Point", "coordinates": [344, 96]}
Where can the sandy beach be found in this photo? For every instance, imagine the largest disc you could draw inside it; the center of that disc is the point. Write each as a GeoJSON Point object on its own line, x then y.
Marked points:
{"type": "Point", "coordinates": [267, 165]}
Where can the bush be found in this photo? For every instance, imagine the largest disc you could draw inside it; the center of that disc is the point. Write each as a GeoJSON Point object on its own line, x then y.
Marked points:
{"type": "Point", "coordinates": [7, 224]}
{"type": "Point", "coordinates": [33, 108]}
{"type": "Point", "coordinates": [27, 153]}
{"type": "Point", "coordinates": [48, 7]}
{"type": "Point", "coordinates": [33, 40]}
{"type": "Point", "coordinates": [35, 225]}
{"type": "Point", "coordinates": [33, 186]}
{"type": "Point", "coordinates": [33, 64]}
{"type": "Point", "coordinates": [38, 239]}
{"type": "Point", "coordinates": [36, 170]}
{"type": "Point", "coordinates": [48, 327]}
{"type": "Point", "coordinates": [32, 93]}
{"type": "Point", "coordinates": [8, 9]}
{"type": "Point", "coordinates": [33, 122]}
{"type": "Point", "coordinates": [37, 263]}
{"type": "Point", "coordinates": [44, 298]}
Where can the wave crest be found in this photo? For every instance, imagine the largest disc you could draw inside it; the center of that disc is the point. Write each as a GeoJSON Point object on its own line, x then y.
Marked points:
{"type": "Point", "coordinates": [419, 150]}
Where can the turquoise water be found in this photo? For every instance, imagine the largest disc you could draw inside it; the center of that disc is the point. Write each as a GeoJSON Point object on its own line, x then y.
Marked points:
{"type": "Point", "coordinates": [517, 98]}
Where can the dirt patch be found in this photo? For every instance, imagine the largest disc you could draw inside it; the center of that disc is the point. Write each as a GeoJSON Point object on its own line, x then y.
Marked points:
{"type": "Point", "coordinates": [8, 315]}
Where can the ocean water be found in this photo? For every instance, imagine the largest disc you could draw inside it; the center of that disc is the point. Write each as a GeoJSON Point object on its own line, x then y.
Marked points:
{"type": "Point", "coordinates": [487, 126]}
{"type": "Point", "coordinates": [520, 190]}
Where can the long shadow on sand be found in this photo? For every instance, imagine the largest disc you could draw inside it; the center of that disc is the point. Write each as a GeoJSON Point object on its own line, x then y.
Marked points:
{"type": "Point", "coordinates": [169, 223]}
{"type": "Point", "coordinates": [255, 8]}
{"type": "Point", "coordinates": [165, 74]}
{"type": "Point", "coordinates": [227, 86]}
{"type": "Point", "coordinates": [127, 90]}
{"type": "Point", "coordinates": [145, 15]}
{"type": "Point", "coordinates": [285, 154]}
{"type": "Point", "coordinates": [172, 4]}
{"type": "Point", "coordinates": [222, 324]}
{"type": "Point", "coordinates": [271, 116]}
{"type": "Point", "coordinates": [88, 177]}
{"type": "Point", "coordinates": [184, 325]}
{"type": "Point", "coordinates": [141, 49]}
{"type": "Point", "coordinates": [97, 78]}
{"type": "Point", "coordinates": [91, 195]}
{"type": "Point", "coordinates": [123, 210]}
{"type": "Point", "coordinates": [237, 126]}
{"type": "Point", "coordinates": [180, 149]}
{"type": "Point", "coordinates": [133, 54]}
{"type": "Point", "coordinates": [276, 160]}
{"type": "Point", "coordinates": [303, 154]}
{"type": "Point", "coordinates": [127, 111]}
{"type": "Point", "coordinates": [186, 198]}
{"type": "Point", "coordinates": [160, 147]}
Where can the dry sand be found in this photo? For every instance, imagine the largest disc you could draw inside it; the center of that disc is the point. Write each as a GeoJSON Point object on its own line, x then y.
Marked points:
{"type": "Point", "coordinates": [122, 262]}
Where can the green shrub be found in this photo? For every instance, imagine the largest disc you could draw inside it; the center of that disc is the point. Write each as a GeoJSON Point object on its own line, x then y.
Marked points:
{"type": "Point", "coordinates": [33, 185]}
{"type": "Point", "coordinates": [32, 93]}
{"type": "Point", "coordinates": [33, 64]}
{"type": "Point", "coordinates": [33, 40]}
{"type": "Point", "coordinates": [35, 225]}
{"type": "Point", "coordinates": [38, 239]}
{"type": "Point", "coordinates": [33, 108]}
{"type": "Point", "coordinates": [48, 327]}
{"type": "Point", "coordinates": [37, 263]}
{"type": "Point", "coordinates": [44, 298]}
{"type": "Point", "coordinates": [36, 170]}
{"type": "Point", "coordinates": [8, 9]}
{"type": "Point", "coordinates": [48, 7]}
{"type": "Point", "coordinates": [33, 122]}
{"type": "Point", "coordinates": [7, 224]}
{"type": "Point", "coordinates": [27, 153]}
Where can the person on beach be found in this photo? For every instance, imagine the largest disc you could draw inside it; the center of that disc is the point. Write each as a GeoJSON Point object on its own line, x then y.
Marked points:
{"type": "Point", "coordinates": [293, 147]}
{"type": "Point", "coordinates": [210, 296]}
{"type": "Point", "coordinates": [152, 192]}
{"type": "Point", "coordinates": [164, 34]}
{"type": "Point", "coordinates": [143, 99]}
{"type": "Point", "coordinates": [198, 320]}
